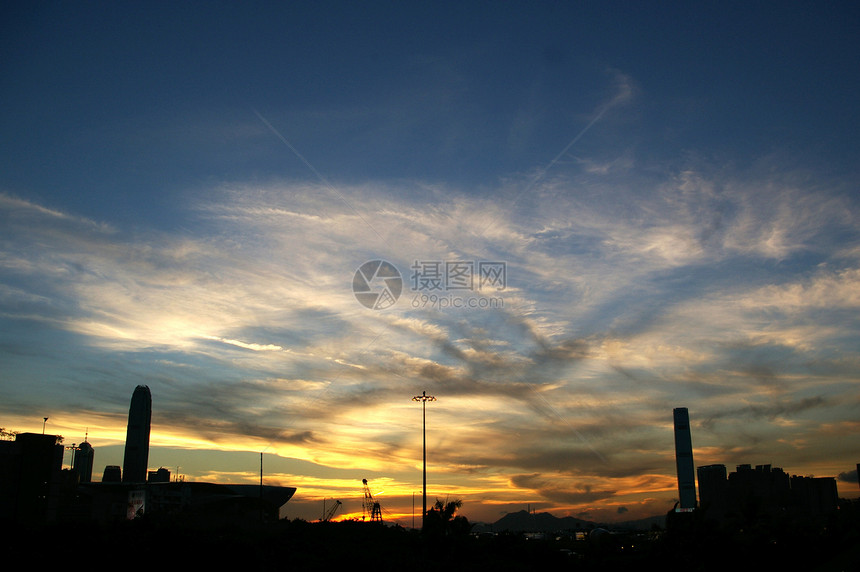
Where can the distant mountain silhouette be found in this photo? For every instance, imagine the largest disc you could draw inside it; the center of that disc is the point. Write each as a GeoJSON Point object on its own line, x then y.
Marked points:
{"type": "Point", "coordinates": [524, 521]}
{"type": "Point", "coordinates": [641, 524]}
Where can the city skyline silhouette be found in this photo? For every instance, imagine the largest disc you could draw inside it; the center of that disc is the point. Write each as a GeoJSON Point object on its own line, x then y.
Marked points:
{"type": "Point", "coordinates": [708, 489]}
{"type": "Point", "coordinates": [755, 516]}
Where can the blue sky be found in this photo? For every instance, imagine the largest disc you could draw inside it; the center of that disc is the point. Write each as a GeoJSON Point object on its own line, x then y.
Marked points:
{"type": "Point", "coordinates": [187, 191]}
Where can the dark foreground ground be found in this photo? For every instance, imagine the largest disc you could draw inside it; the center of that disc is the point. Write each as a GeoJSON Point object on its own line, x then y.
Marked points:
{"type": "Point", "coordinates": [300, 545]}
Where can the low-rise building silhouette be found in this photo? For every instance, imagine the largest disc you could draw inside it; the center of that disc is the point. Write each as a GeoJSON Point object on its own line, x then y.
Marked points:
{"type": "Point", "coordinates": [815, 496]}
{"type": "Point", "coordinates": [764, 492]}
{"type": "Point", "coordinates": [185, 501]}
{"type": "Point", "coordinates": [112, 474]}
{"type": "Point", "coordinates": [161, 475]}
{"type": "Point", "coordinates": [713, 489]}
{"type": "Point", "coordinates": [30, 478]}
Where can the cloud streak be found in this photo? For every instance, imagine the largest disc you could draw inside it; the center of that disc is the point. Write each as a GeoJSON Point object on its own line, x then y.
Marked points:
{"type": "Point", "coordinates": [619, 307]}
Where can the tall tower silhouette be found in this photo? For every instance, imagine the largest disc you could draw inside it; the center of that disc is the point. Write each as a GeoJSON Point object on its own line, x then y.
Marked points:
{"type": "Point", "coordinates": [82, 462]}
{"type": "Point", "coordinates": [134, 463]}
{"type": "Point", "coordinates": [684, 459]}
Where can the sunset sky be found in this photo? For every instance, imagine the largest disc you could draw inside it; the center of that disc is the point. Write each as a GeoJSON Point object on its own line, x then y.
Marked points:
{"type": "Point", "coordinates": [668, 197]}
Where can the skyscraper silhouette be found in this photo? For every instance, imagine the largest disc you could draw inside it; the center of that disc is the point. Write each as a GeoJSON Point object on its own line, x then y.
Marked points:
{"type": "Point", "coordinates": [82, 462]}
{"type": "Point", "coordinates": [134, 463]}
{"type": "Point", "coordinates": [684, 460]}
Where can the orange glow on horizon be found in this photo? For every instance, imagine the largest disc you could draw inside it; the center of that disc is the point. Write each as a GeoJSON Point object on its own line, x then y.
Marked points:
{"type": "Point", "coordinates": [485, 495]}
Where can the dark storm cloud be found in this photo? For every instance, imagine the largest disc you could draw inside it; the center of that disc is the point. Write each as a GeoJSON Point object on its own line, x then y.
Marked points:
{"type": "Point", "coordinates": [770, 411]}
{"type": "Point", "coordinates": [848, 476]}
{"type": "Point", "coordinates": [552, 490]}
{"type": "Point", "coordinates": [526, 355]}
{"type": "Point", "coordinates": [224, 430]}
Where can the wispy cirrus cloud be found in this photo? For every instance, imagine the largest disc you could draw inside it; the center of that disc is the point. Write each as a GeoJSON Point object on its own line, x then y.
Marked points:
{"type": "Point", "coordinates": [697, 289]}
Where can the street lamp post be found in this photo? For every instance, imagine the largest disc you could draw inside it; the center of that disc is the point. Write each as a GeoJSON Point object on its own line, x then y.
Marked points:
{"type": "Point", "coordinates": [424, 398]}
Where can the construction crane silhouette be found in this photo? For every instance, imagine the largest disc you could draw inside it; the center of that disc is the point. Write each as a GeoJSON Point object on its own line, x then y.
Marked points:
{"type": "Point", "coordinates": [330, 512]}
{"type": "Point", "coordinates": [372, 507]}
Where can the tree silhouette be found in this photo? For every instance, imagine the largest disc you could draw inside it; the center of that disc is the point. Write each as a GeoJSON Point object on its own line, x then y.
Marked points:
{"type": "Point", "coordinates": [7, 435]}
{"type": "Point", "coordinates": [442, 520]}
